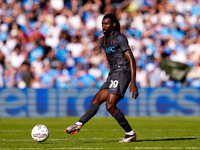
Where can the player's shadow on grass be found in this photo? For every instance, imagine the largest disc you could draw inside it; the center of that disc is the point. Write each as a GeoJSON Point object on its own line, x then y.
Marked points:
{"type": "Point", "coordinates": [144, 140]}
{"type": "Point", "coordinates": [166, 139]}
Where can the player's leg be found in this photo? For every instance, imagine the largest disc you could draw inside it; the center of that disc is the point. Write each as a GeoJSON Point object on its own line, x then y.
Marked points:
{"type": "Point", "coordinates": [98, 99]}
{"type": "Point", "coordinates": [111, 106]}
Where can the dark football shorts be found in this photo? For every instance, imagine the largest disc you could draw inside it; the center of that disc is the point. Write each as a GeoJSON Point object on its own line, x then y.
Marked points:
{"type": "Point", "coordinates": [117, 83]}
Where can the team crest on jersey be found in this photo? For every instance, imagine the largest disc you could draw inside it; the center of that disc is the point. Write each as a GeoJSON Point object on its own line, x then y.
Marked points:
{"type": "Point", "coordinates": [113, 84]}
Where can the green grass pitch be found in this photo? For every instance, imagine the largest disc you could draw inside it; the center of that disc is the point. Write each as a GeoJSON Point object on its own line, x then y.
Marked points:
{"type": "Point", "coordinates": [102, 133]}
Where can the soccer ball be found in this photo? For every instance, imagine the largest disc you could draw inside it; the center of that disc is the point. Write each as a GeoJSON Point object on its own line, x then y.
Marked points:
{"type": "Point", "coordinates": [40, 133]}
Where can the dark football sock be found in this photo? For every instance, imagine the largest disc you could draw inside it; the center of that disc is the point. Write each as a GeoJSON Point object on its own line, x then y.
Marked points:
{"type": "Point", "coordinates": [92, 110]}
{"type": "Point", "coordinates": [119, 116]}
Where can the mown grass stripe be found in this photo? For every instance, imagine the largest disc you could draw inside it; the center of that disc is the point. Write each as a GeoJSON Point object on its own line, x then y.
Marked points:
{"type": "Point", "coordinates": [103, 148]}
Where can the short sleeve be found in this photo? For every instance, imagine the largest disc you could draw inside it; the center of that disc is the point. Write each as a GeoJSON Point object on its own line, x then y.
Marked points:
{"type": "Point", "coordinates": [123, 43]}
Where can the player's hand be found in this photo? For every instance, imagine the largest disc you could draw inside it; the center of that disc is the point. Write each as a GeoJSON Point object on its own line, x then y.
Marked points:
{"type": "Point", "coordinates": [134, 90]}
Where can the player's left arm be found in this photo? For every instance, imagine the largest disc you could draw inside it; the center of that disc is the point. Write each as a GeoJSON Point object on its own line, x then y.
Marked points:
{"type": "Point", "coordinates": [132, 63]}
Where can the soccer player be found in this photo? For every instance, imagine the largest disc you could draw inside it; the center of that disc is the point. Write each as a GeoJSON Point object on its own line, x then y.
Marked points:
{"type": "Point", "coordinates": [122, 73]}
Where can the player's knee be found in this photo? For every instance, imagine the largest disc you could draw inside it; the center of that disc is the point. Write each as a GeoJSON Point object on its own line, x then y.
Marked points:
{"type": "Point", "coordinates": [95, 101]}
{"type": "Point", "coordinates": [110, 108]}
{"type": "Point", "coordinates": [98, 98]}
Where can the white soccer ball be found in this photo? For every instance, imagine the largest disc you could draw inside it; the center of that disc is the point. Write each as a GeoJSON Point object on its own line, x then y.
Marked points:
{"type": "Point", "coordinates": [40, 133]}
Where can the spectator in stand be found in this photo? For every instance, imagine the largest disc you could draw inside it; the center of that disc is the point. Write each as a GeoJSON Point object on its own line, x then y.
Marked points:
{"type": "Point", "coordinates": [70, 62]}
{"type": "Point", "coordinates": [142, 78]}
{"type": "Point", "coordinates": [75, 46]}
{"type": "Point", "coordinates": [79, 71]}
{"type": "Point", "coordinates": [62, 77]}
{"type": "Point", "coordinates": [46, 48]}
{"type": "Point", "coordinates": [86, 81]}
{"type": "Point", "coordinates": [61, 51]}
{"type": "Point", "coordinates": [16, 57]}
{"type": "Point", "coordinates": [95, 72]}
{"type": "Point", "coordinates": [4, 49]}
{"type": "Point", "coordinates": [37, 66]}
{"type": "Point", "coordinates": [52, 60]}
{"type": "Point", "coordinates": [36, 51]}
{"type": "Point", "coordinates": [11, 42]}
{"type": "Point", "coordinates": [4, 32]}
{"type": "Point", "coordinates": [52, 38]}
{"type": "Point", "coordinates": [82, 78]}
{"type": "Point", "coordinates": [36, 84]}
{"type": "Point", "coordinates": [47, 77]}
{"type": "Point", "coordinates": [96, 56]}
{"type": "Point", "coordinates": [9, 77]}
{"type": "Point", "coordinates": [24, 76]}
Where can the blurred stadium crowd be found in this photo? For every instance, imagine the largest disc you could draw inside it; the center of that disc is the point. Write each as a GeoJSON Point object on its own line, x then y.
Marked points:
{"type": "Point", "coordinates": [55, 43]}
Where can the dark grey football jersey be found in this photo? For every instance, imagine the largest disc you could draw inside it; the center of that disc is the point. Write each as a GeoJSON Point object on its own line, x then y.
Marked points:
{"type": "Point", "coordinates": [114, 50]}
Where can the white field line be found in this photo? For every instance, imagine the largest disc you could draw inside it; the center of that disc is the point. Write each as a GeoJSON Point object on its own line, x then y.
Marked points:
{"type": "Point", "coordinates": [103, 148]}
{"type": "Point", "coordinates": [106, 130]}
{"type": "Point", "coordinates": [72, 139]}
